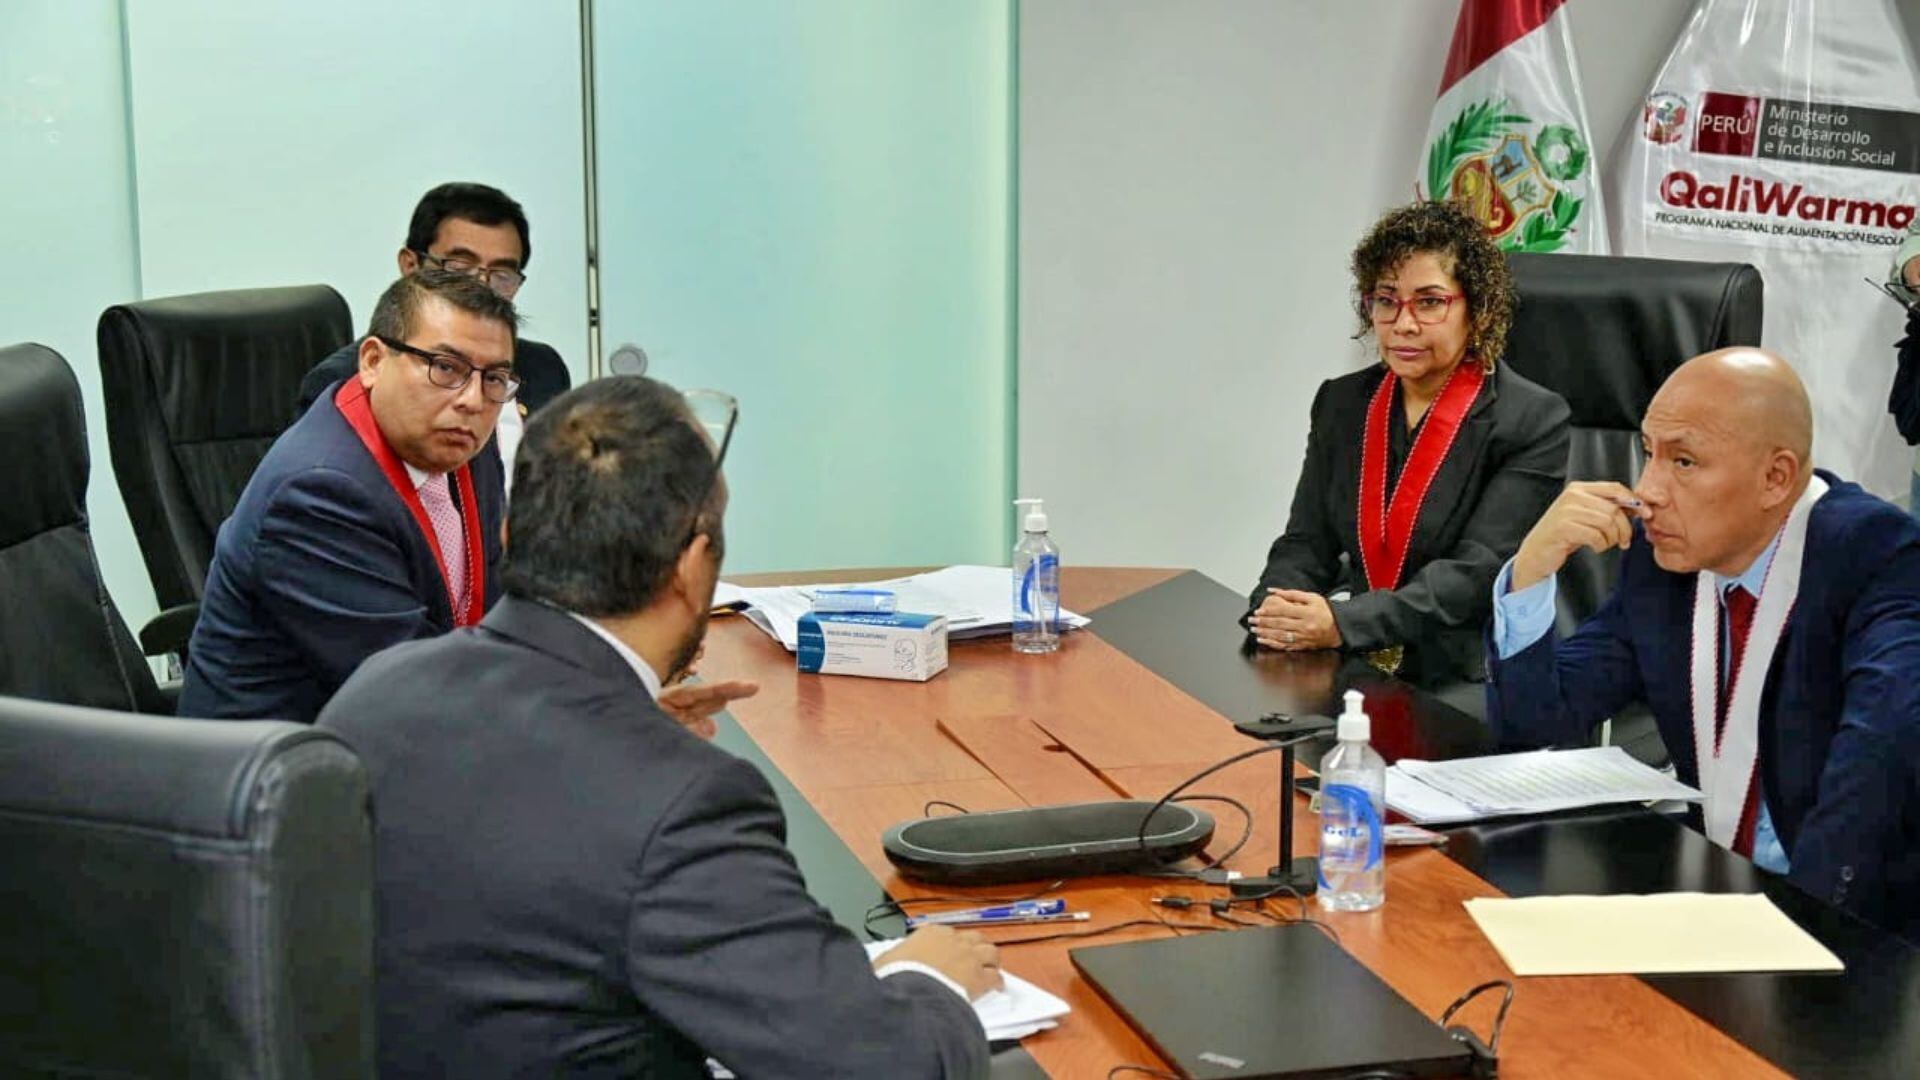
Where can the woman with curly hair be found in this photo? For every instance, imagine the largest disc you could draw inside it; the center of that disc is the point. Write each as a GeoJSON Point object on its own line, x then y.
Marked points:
{"type": "Point", "coordinates": [1423, 472]}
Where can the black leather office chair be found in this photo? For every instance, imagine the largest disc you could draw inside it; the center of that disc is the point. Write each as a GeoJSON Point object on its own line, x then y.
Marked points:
{"type": "Point", "coordinates": [61, 638]}
{"type": "Point", "coordinates": [1604, 332]}
{"type": "Point", "coordinates": [197, 388]}
{"type": "Point", "coordinates": [182, 897]}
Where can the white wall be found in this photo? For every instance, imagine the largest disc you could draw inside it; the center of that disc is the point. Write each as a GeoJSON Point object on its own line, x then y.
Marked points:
{"type": "Point", "coordinates": [1192, 179]}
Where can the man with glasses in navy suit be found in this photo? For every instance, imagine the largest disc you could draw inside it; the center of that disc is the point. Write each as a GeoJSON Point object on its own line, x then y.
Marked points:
{"type": "Point", "coordinates": [374, 519]}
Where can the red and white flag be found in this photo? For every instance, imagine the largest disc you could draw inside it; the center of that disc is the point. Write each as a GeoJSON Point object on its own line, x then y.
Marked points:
{"type": "Point", "coordinates": [1509, 134]}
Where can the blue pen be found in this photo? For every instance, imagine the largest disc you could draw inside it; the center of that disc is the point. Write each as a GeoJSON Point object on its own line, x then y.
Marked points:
{"type": "Point", "coordinates": [1025, 909]}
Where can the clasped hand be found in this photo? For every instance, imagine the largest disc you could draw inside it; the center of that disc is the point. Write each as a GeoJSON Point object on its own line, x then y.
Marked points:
{"type": "Point", "coordinates": [1294, 621]}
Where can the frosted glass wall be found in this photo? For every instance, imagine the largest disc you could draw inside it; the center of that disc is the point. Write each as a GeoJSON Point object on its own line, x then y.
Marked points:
{"type": "Point", "coordinates": [67, 239]}
{"type": "Point", "coordinates": [807, 205]}
{"type": "Point", "coordinates": [284, 143]}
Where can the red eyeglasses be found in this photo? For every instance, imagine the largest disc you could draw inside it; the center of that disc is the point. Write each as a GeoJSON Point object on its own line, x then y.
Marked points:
{"type": "Point", "coordinates": [1428, 308]}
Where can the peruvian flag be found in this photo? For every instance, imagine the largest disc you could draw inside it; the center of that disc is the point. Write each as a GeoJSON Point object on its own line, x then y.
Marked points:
{"type": "Point", "coordinates": [1509, 131]}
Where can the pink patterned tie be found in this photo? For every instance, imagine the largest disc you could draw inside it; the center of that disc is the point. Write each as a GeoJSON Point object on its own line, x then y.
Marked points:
{"type": "Point", "coordinates": [450, 529]}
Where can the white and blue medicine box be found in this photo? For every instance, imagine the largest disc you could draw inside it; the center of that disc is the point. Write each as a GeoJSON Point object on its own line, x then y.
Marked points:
{"type": "Point", "coordinates": [900, 645]}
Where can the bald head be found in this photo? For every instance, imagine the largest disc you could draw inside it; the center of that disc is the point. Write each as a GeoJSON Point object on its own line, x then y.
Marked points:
{"type": "Point", "coordinates": [1752, 394]}
{"type": "Point", "coordinates": [1729, 439]}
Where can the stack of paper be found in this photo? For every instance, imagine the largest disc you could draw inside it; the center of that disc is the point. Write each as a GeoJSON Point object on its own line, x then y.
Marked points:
{"type": "Point", "coordinates": [1662, 934]}
{"type": "Point", "coordinates": [977, 601]}
{"type": "Point", "coordinates": [1015, 1011]}
{"type": "Point", "coordinates": [1535, 782]}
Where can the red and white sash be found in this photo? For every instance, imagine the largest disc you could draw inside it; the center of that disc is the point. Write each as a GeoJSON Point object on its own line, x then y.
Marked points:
{"type": "Point", "coordinates": [352, 401]}
{"type": "Point", "coordinates": [1728, 760]}
{"type": "Point", "coordinates": [1386, 531]}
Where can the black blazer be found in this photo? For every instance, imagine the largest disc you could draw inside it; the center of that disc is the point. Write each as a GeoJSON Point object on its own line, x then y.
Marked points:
{"type": "Point", "coordinates": [543, 375]}
{"type": "Point", "coordinates": [320, 566]}
{"type": "Point", "coordinates": [567, 882]}
{"type": "Point", "coordinates": [1508, 463]}
{"type": "Point", "coordinates": [1904, 401]}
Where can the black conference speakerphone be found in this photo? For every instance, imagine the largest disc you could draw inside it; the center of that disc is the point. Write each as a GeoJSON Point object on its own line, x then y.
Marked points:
{"type": "Point", "coordinates": [1036, 844]}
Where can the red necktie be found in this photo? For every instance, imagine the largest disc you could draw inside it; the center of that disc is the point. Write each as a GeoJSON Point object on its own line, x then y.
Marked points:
{"type": "Point", "coordinates": [1740, 605]}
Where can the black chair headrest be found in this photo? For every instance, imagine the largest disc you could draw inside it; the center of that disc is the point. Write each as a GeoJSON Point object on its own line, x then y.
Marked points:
{"type": "Point", "coordinates": [192, 777]}
{"type": "Point", "coordinates": [1605, 331]}
{"type": "Point", "coordinates": [194, 344]}
{"type": "Point", "coordinates": [43, 435]}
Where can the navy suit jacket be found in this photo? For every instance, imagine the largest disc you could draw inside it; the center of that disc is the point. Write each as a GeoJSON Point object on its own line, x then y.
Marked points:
{"type": "Point", "coordinates": [568, 882]}
{"type": "Point", "coordinates": [1904, 399]}
{"type": "Point", "coordinates": [1839, 716]}
{"type": "Point", "coordinates": [320, 566]}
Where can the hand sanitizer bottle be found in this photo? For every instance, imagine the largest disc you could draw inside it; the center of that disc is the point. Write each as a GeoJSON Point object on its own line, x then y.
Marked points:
{"type": "Point", "coordinates": [1353, 796]}
{"type": "Point", "coordinates": [1036, 585]}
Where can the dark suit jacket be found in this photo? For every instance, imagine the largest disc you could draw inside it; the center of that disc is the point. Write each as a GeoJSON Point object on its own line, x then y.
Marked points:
{"type": "Point", "coordinates": [1904, 400]}
{"type": "Point", "coordinates": [568, 882]}
{"type": "Point", "coordinates": [1840, 713]}
{"type": "Point", "coordinates": [543, 375]}
{"type": "Point", "coordinates": [1508, 463]}
{"type": "Point", "coordinates": [320, 566]}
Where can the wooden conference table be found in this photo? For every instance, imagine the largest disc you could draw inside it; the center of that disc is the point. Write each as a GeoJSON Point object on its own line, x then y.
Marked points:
{"type": "Point", "coordinates": [1144, 698]}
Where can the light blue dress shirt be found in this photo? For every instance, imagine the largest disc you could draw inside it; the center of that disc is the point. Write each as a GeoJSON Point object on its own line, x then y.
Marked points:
{"type": "Point", "coordinates": [1524, 617]}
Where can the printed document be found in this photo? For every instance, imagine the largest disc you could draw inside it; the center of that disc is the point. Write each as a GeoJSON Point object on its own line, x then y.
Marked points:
{"type": "Point", "coordinates": [977, 601]}
{"type": "Point", "coordinates": [1534, 782]}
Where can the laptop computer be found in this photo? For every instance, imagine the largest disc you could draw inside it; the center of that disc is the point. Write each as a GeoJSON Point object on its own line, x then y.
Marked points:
{"type": "Point", "coordinates": [1281, 1001]}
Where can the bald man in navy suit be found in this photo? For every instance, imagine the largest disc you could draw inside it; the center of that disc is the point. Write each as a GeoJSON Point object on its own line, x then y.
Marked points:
{"type": "Point", "coordinates": [1767, 612]}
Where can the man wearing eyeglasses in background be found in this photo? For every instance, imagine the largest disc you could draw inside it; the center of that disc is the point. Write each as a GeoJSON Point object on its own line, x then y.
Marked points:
{"type": "Point", "coordinates": [373, 520]}
{"type": "Point", "coordinates": [470, 229]}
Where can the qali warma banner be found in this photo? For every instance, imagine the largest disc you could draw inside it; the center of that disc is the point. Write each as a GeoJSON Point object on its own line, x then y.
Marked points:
{"type": "Point", "coordinates": [1786, 133]}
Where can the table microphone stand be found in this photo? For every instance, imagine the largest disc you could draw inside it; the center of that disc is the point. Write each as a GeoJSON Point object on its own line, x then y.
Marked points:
{"type": "Point", "coordinates": [1298, 873]}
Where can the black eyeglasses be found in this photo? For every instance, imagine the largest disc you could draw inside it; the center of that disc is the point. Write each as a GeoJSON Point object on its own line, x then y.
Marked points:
{"type": "Point", "coordinates": [498, 278]}
{"type": "Point", "coordinates": [449, 372]}
{"type": "Point", "coordinates": [714, 413]}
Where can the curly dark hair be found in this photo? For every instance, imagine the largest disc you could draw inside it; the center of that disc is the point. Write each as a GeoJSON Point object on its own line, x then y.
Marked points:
{"type": "Point", "coordinates": [1448, 229]}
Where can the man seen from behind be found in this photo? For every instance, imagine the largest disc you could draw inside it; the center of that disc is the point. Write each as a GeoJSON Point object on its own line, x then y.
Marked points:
{"type": "Point", "coordinates": [569, 880]}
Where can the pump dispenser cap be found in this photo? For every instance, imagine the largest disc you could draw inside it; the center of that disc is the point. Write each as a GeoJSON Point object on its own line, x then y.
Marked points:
{"type": "Point", "coordinates": [1036, 515]}
{"type": "Point", "coordinates": [1354, 725]}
